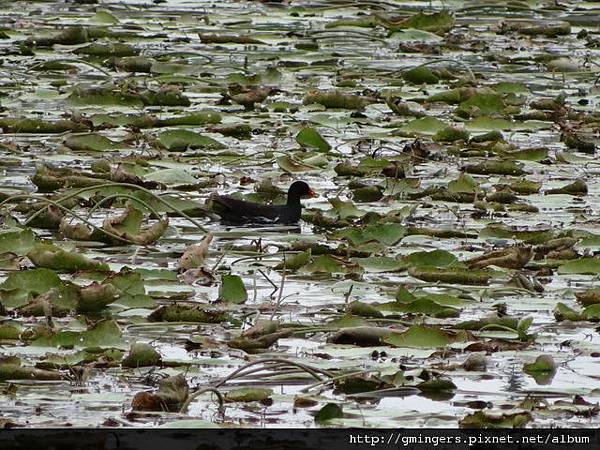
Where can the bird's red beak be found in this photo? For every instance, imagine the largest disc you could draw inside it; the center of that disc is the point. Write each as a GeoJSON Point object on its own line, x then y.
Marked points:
{"type": "Point", "coordinates": [312, 193]}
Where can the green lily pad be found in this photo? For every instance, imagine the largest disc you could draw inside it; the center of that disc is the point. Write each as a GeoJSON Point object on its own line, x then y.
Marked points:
{"type": "Point", "coordinates": [180, 140]}
{"type": "Point", "coordinates": [104, 334]}
{"type": "Point", "coordinates": [141, 355]}
{"type": "Point", "coordinates": [388, 234]}
{"type": "Point", "coordinates": [248, 394]}
{"type": "Point", "coordinates": [434, 258]}
{"type": "Point", "coordinates": [53, 257]}
{"type": "Point", "coordinates": [34, 281]}
{"type": "Point", "coordinates": [310, 137]}
{"type": "Point", "coordinates": [171, 176]}
{"type": "Point", "coordinates": [345, 209]}
{"type": "Point", "coordinates": [464, 183]}
{"type": "Point", "coordinates": [425, 125]}
{"type": "Point", "coordinates": [584, 266]}
{"type": "Point", "coordinates": [328, 412]}
{"type": "Point", "coordinates": [232, 289]}
{"type": "Point", "coordinates": [17, 241]}
{"type": "Point", "coordinates": [379, 264]}
{"type": "Point", "coordinates": [329, 264]}
{"type": "Point", "coordinates": [418, 336]}
{"type": "Point", "coordinates": [91, 142]}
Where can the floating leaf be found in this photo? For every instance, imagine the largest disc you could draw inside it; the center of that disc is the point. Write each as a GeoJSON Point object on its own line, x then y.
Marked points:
{"type": "Point", "coordinates": [17, 241]}
{"type": "Point", "coordinates": [104, 334]}
{"type": "Point", "coordinates": [291, 165]}
{"type": "Point", "coordinates": [451, 276]}
{"type": "Point", "coordinates": [329, 264]}
{"type": "Point", "coordinates": [232, 289]}
{"type": "Point", "coordinates": [141, 355]}
{"type": "Point", "coordinates": [248, 394]}
{"type": "Point", "coordinates": [492, 419]}
{"type": "Point", "coordinates": [438, 22]}
{"type": "Point", "coordinates": [90, 142]}
{"type": "Point", "coordinates": [328, 412]}
{"type": "Point", "coordinates": [172, 392]}
{"type": "Point", "coordinates": [295, 261]}
{"type": "Point", "coordinates": [129, 227]}
{"type": "Point", "coordinates": [34, 281]}
{"type": "Point", "coordinates": [11, 369]}
{"type": "Point", "coordinates": [310, 137]}
{"type": "Point", "coordinates": [345, 209]}
{"type": "Point", "coordinates": [424, 125]}
{"type": "Point", "coordinates": [171, 176]}
{"type": "Point", "coordinates": [434, 258]}
{"type": "Point", "coordinates": [388, 234]}
{"type": "Point", "coordinates": [53, 257]}
{"type": "Point", "coordinates": [181, 140]}
{"type": "Point", "coordinates": [418, 337]}
{"type": "Point", "coordinates": [589, 266]}
{"type": "Point", "coordinates": [379, 264]}
{"type": "Point", "coordinates": [464, 183]}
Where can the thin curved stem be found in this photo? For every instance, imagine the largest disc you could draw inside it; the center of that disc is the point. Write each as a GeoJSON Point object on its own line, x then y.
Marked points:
{"type": "Point", "coordinates": [196, 394]}
{"type": "Point", "coordinates": [131, 197]}
{"type": "Point", "coordinates": [98, 186]}
{"type": "Point", "coordinates": [312, 370]}
{"type": "Point", "coordinates": [336, 378]}
{"type": "Point", "coordinates": [84, 220]}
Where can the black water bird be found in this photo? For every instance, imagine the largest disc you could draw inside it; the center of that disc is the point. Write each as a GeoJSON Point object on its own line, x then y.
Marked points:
{"type": "Point", "coordinates": [239, 212]}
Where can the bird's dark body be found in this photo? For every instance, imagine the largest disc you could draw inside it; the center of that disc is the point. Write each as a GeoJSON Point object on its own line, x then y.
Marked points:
{"type": "Point", "coordinates": [240, 212]}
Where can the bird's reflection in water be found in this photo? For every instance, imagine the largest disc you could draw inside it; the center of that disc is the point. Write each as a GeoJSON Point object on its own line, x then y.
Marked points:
{"type": "Point", "coordinates": [286, 229]}
{"type": "Point", "coordinates": [516, 381]}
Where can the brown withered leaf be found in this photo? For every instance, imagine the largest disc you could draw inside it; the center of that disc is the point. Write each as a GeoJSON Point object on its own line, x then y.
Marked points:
{"type": "Point", "coordinates": [193, 257]}
{"type": "Point", "coordinates": [511, 258]}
